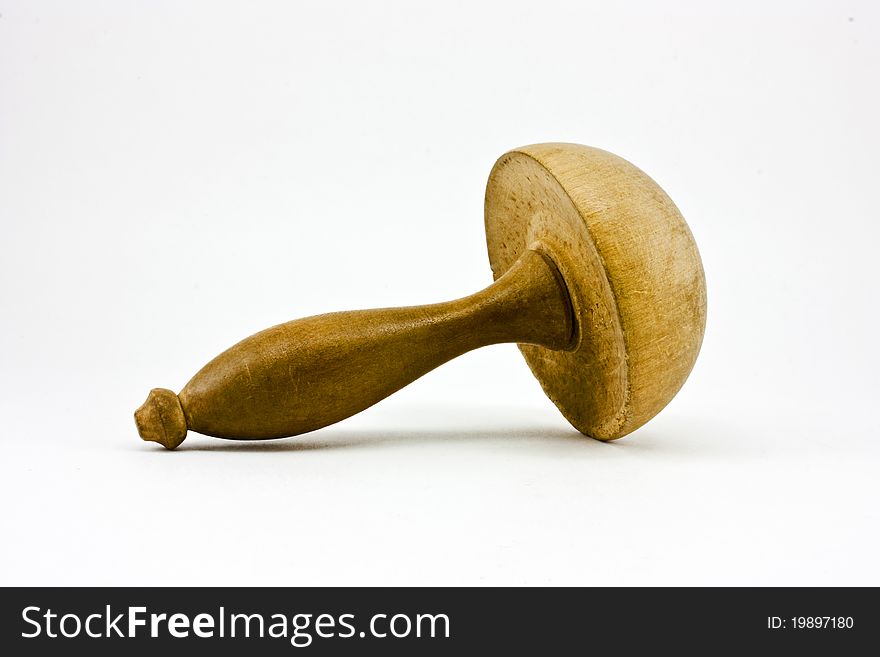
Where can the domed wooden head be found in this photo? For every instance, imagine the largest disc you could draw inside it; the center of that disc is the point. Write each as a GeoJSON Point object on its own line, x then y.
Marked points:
{"type": "Point", "coordinates": [633, 274]}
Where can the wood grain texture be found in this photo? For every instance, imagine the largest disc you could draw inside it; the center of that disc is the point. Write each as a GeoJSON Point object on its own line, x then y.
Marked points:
{"type": "Point", "coordinates": [312, 372]}
{"type": "Point", "coordinates": [597, 278]}
{"type": "Point", "coordinates": [631, 267]}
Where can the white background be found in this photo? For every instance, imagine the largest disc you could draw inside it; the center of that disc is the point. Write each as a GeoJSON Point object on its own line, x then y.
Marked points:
{"type": "Point", "coordinates": [176, 176]}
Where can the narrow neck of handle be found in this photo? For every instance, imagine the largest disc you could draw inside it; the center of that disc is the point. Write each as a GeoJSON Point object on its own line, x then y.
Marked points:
{"type": "Point", "coordinates": [529, 304]}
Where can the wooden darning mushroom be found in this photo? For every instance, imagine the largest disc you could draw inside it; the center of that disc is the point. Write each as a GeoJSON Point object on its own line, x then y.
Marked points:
{"type": "Point", "coordinates": [597, 278]}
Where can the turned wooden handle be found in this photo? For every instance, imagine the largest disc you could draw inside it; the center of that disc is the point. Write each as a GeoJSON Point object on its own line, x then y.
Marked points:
{"type": "Point", "coordinates": [309, 373]}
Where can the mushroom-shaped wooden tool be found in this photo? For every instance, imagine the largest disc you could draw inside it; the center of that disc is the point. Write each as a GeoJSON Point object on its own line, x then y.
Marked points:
{"type": "Point", "coordinates": [597, 277]}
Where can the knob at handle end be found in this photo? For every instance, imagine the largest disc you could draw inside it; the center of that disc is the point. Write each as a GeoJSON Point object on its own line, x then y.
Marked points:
{"type": "Point", "coordinates": [160, 419]}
